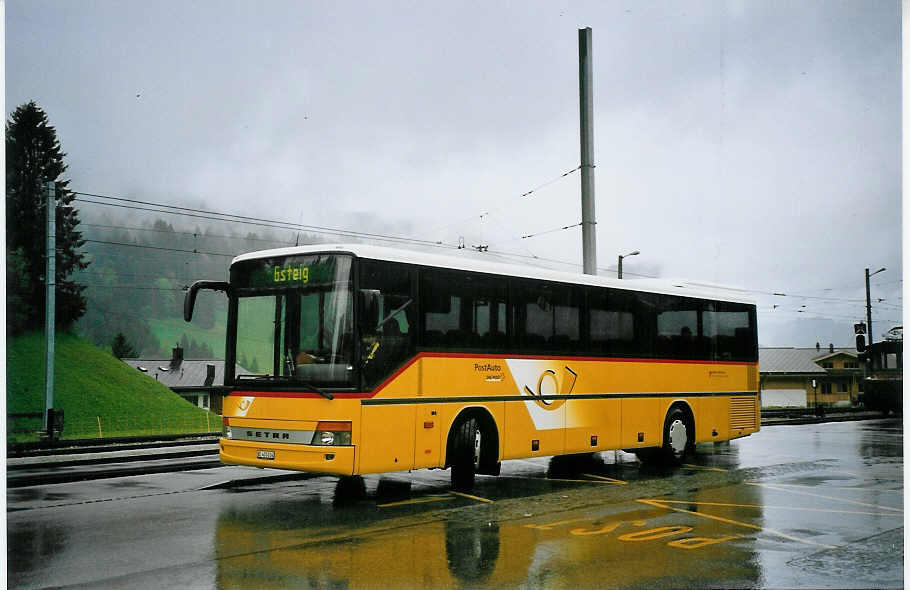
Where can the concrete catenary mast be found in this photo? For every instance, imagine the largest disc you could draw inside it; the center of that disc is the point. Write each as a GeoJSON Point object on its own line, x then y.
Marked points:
{"type": "Point", "coordinates": [586, 107]}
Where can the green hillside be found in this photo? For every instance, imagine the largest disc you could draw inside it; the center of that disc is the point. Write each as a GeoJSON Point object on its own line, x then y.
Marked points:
{"type": "Point", "coordinates": [98, 393]}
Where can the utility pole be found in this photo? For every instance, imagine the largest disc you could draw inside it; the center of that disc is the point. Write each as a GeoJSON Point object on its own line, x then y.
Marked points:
{"type": "Point", "coordinates": [50, 283]}
{"type": "Point", "coordinates": [869, 306]}
{"type": "Point", "coordinates": [868, 310]}
{"type": "Point", "coordinates": [586, 109]}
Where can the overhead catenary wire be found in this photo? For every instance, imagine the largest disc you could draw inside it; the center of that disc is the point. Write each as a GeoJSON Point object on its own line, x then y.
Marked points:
{"type": "Point", "coordinates": [147, 247]}
{"type": "Point", "coordinates": [186, 233]}
{"type": "Point", "coordinates": [136, 287]}
{"type": "Point", "coordinates": [550, 231]}
{"type": "Point", "coordinates": [551, 181]}
{"type": "Point", "coordinates": [521, 196]}
{"type": "Point", "coordinates": [234, 218]}
{"type": "Point", "coordinates": [135, 204]}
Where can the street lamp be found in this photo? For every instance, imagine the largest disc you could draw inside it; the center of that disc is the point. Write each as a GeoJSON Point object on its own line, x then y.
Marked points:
{"type": "Point", "coordinates": [619, 263]}
{"type": "Point", "coordinates": [869, 304]}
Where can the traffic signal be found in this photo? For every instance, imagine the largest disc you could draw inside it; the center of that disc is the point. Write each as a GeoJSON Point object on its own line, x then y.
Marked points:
{"type": "Point", "coordinates": [860, 331]}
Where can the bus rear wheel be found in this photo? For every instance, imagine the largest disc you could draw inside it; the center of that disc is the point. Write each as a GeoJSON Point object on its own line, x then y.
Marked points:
{"type": "Point", "coordinates": [466, 455]}
{"type": "Point", "coordinates": [677, 442]}
{"type": "Point", "coordinates": [678, 437]}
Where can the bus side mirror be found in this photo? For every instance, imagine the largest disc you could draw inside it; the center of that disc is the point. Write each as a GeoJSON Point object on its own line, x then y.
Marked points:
{"type": "Point", "coordinates": [189, 300]}
{"type": "Point", "coordinates": [368, 312]}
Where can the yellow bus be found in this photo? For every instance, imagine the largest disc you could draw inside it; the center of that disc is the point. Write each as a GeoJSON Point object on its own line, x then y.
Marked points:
{"type": "Point", "coordinates": [362, 359]}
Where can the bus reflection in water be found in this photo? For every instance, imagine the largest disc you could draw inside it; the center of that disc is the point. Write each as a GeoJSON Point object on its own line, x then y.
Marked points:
{"type": "Point", "coordinates": [613, 545]}
{"type": "Point", "coordinates": [361, 359]}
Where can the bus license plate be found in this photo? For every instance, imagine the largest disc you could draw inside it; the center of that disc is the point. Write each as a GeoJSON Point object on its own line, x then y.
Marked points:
{"type": "Point", "coordinates": [270, 455]}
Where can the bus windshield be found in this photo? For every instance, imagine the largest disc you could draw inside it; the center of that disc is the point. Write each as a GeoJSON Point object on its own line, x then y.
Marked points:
{"type": "Point", "coordinates": [294, 320]}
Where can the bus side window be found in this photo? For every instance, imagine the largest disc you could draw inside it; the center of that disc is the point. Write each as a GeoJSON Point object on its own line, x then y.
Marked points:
{"type": "Point", "coordinates": [464, 311]}
{"type": "Point", "coordinates": [386, 316]}
{"type": "Point", "coordinates": [678, 334]}
{"type": "Point", "coordinates": [550, 316]}
{"type": "Point", "coordinates": [727, 325]}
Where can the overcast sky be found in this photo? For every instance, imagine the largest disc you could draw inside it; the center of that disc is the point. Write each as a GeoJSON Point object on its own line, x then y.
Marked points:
{"type": "Point", "coordinates": [755, 144]}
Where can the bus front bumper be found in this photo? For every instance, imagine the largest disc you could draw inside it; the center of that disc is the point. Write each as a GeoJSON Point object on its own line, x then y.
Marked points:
{"type": "Point", "coordinates": [316, 459]}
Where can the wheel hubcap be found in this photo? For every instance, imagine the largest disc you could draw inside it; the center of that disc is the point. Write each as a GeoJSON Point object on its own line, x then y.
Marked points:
{"type": "Point", "coordinates": [476, 449]}
{"type": "Point", "coordinates": [678, 437]}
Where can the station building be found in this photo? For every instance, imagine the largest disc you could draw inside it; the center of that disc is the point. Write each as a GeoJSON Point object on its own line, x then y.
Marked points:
{"type": "Point", "coordinates": [804, 377]}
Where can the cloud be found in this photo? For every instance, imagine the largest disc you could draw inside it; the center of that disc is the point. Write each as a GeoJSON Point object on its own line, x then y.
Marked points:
{"type": "Point", "coordinates": [752, 143]}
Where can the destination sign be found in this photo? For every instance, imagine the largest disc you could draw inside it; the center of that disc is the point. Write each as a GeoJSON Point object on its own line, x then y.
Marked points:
{"type": "Point", "coordinates": [291, 271]}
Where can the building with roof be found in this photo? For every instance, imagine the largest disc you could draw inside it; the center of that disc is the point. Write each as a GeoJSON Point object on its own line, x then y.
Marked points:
{"type": "Point", "coordinates": [804, 377]}
{"type": "Point", "coordinates": [197, 381]}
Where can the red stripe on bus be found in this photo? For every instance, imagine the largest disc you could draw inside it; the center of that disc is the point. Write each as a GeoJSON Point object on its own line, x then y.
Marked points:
{"type": "Point", "coordinates": [420, 355]}
{"type": "Point", "coordinates": [578, 358]}
{"type": "Point", "coordinates": [300, 394]}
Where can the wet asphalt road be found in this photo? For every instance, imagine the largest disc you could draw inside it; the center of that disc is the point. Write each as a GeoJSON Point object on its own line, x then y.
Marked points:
{"type": "Point", "coordinates": [806, 506]}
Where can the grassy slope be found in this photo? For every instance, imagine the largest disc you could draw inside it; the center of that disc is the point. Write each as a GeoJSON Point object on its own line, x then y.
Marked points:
{"type": "Point", "coordinates": [90, 384]}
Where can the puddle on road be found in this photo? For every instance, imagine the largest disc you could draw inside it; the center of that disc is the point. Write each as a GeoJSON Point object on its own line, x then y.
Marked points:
{"type": "Point", "coordinates": [630, 545]}
{"type": "Point", "coordinates": [734, 535]}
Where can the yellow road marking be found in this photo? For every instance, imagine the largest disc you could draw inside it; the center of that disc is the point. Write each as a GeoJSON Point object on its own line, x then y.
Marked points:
{"type": "Point", "coordinates": [478, 498]}
{"type": "Point", "coordinates": [658, 504]}
{"type": "Point", "coordinates": [550, 525]}
{"type": "Point", "coordinates": [575, 480]}
{"type": "Point", "coordinates": [416, 501]}
{"type": "Point", "coordinates": [772, 487]}
{"type": "Point", "coordinates": [764, 506]}
{"type": "Point", "coordinates": [703, 468]}
{"type": "Point", "coordinates": [618, 482]}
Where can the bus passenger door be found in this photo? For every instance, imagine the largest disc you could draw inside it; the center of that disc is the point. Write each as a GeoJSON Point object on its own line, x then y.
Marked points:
{"type": "Point", "coordinates": [427, 436]}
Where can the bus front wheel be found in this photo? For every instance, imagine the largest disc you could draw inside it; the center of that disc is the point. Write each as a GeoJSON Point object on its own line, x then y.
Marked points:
{"type": "Point", "coordinates": [466, 455]}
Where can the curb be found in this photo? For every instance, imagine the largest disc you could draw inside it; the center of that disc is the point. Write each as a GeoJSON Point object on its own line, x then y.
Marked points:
{"type": "Point", "coordinates": [817, 420]}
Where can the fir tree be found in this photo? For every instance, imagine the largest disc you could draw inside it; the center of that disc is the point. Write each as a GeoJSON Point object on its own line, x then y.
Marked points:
{"type": "Point", "coordinates": [33, 157]}
{"type": "Point", "coordinates": [121, 348]}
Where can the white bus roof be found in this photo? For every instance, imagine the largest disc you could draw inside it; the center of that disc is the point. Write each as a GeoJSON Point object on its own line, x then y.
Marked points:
{"type": "Point", "coordinates": [473, 262]}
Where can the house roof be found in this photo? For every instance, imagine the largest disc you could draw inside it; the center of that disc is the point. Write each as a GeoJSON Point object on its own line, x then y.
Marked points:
{"type": "Point", "coordinates": [796, 360]}
{"type": "Point", "coordinates": [187, 373]}
{"type": "Point", "coordinates": [837, 352]}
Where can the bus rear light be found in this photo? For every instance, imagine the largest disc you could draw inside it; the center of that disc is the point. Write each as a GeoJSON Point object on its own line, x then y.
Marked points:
{"type": "Point", "coordinates": [332, 433]}
{"type": "Point", "coordinates": [225, 428]}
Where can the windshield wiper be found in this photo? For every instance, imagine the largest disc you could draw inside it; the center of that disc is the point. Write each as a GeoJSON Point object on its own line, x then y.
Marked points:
{"type": "Point", "coordinates": [295, 381]}
{"type": "Point", "coordinates": [289, 361]}
{"type": "Point", "coordinates": [315, 389]}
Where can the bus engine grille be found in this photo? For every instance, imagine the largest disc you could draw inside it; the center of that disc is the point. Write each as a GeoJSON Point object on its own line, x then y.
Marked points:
{"type": "Point", "coordinates": [742, 413]}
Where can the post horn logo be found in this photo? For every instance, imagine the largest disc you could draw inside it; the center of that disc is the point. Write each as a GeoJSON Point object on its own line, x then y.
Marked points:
{"type": "Point", "coordinates": [560, 387]}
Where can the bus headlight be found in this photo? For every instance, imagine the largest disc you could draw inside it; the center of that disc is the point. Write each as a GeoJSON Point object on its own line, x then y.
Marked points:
{"type": "Point", "coordinates": [332, 434]}
{"type": "Point", "coordinates": [225, 428]}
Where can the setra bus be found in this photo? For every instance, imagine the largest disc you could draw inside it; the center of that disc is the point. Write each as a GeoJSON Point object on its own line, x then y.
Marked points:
{"type": "Point", "coordinates": [363, 359]}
